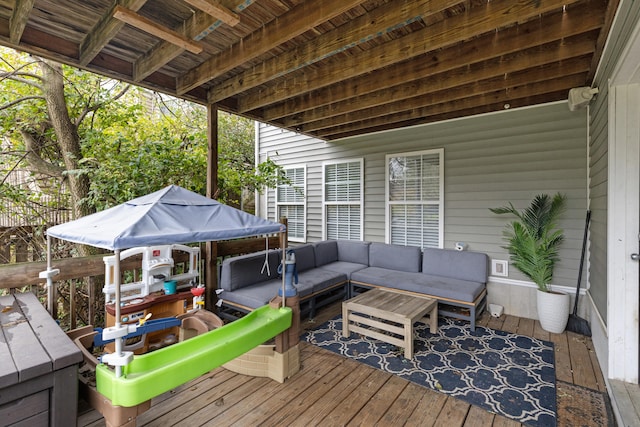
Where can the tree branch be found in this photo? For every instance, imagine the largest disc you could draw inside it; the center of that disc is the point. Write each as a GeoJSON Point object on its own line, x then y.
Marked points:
{"type": "Point", "coordinates": [16, 76]}
{"type": "Point", "coordinates": [38, 163]}
{"type": "Point", "coordinates": [98, 105]}
{"type": "Point", "coordinates": [17, 101]}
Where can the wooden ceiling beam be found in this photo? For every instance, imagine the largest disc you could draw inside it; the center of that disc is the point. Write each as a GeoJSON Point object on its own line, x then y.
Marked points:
{"type": "Point", "coordinates": [19, 18]}
{"type": "Point", "coordinates": [531, 34]}
{"type": "Point", "coordinates": [504, 96]}
{"type": "Point", "coordinates": [216, 10]}
{"type": "Point", "coordinates": [197, 28]}
{"type": "Point", "coordinates": [456, 29]}
{"type": "Point", "coordinates": [499, 66]}
{"type": "Point", "coordinates": [295, 22]}
{"type": "Point", "coordinates": [148, 26]}
{"type": "Point", "coordinates": [165, 51]}
{"type": "Point", "coordinates": [376, 23]}
{"type": "Point", "coordinates": [439, 91]}
{"type": "Point", "coordinates": [472, 111]}
{"type": "Point", "coordinates": [105, 30]}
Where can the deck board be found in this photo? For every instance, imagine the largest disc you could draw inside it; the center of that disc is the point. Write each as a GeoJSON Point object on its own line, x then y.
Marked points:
{"type": "Point", "coordinates": [330, 390]}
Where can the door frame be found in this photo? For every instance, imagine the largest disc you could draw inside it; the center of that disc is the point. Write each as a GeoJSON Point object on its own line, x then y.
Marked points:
{"type": "Point", "coordinates": [623, 207]}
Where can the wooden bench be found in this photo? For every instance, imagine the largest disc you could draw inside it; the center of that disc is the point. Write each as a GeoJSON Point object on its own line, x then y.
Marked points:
{"type": "Point", "coordinates": [39, 369]}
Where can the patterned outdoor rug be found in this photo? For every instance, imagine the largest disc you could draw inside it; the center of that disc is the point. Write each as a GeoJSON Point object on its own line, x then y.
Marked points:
{"type": "Point", "coordinates": [508, 374]}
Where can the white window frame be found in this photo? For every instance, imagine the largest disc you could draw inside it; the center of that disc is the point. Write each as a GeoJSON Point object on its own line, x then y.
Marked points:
{"type": "Point", "coordinates": [302, 203]}
{"type": "Point", "coordinates": [439, 202]}
{"type": "Point", "coordinates": [326, 204]}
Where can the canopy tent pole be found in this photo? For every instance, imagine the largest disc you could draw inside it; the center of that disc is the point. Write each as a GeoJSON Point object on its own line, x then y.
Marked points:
{"type": "Point", "coordinates": [49, 274]}
{"type": "Point", "coordinates": [116, 279]}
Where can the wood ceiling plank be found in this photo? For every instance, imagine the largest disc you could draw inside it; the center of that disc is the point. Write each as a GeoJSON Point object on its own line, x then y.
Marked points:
{"type": "Point", "coordinates": [439, 91]}
{"type": "Point", "coordinates": [375, 23]}
{"type": "Point", "coordinates": [155, 29]}
{"type": "Point", "coordinates": [451, 79]}
{"type": "Point", "coordinates": [293, 23]}
{"type": "Point", "coordinates": [503, 96]}
{"type": "Point", "coordinates": [216, 10]}
{"type": "Point", "coordinates": [456, 29]}
{"type": "Point", "coordinates": [105, 30]}
{"type": "Point", "coordinates": [197, 28]}
{"type": "Point", "coordinates": [18, 19]}
{"type": "Point", "coordinates": [514, 39]}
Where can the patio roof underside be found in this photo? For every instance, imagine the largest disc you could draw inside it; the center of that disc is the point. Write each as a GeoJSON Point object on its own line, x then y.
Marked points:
{"type": "Point", "coordinates": [331, 68]}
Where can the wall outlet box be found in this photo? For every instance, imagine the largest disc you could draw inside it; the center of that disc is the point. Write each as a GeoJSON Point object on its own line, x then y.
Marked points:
{"type": "Point", "coordinates": [499, 268]}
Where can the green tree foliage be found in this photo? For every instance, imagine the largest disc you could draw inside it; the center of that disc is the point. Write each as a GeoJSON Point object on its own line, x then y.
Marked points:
{"type": "Point", "coordinates": [131, 141]}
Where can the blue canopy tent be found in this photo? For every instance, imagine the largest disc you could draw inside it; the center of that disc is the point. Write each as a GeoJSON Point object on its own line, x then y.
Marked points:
{"type": "Point", "coordinates": [168, 216]}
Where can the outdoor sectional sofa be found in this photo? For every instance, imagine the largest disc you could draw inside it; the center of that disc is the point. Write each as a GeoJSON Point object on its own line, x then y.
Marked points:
{"type": "Point", "coordinates": [339, 269]}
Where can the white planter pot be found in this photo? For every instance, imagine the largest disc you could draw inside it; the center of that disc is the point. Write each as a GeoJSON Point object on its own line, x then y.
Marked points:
{"type": "Point", "coordinates": [553, 311]}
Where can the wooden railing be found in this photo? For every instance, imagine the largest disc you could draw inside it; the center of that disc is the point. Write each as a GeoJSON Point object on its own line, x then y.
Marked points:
{"type": "Point", "coordinates": [90, 272]}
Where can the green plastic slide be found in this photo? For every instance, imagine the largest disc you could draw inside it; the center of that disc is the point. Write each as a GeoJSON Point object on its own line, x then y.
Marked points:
{"type": "Point", "coordinates": [152, 374]}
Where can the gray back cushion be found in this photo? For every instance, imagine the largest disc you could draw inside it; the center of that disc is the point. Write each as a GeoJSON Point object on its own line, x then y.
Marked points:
{"type": "Point", "coordinates": [353, 251]}
{"type": "Point", "coordinates": [245, 270]}
{"type": "Point", "coordinates": [395, 257]}
{"type": "Point", "coordinates": [326, 252]}
{"type": "Point", "coordinates": [305, 257]}
{"type": "Point", "coordinates": [463, 265]}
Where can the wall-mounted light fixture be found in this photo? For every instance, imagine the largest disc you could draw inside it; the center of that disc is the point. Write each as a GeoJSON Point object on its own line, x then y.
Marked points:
{"type": "Point", "coordinates": [580, 97]}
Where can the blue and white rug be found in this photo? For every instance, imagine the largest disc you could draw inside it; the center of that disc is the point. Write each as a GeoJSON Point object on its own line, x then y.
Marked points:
{"type": "Point", "coordinates": [508, 374]}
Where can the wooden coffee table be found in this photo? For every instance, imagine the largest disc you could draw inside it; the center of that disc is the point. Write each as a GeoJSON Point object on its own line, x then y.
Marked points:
{"type": "Point", "coordinates": [379, 311]}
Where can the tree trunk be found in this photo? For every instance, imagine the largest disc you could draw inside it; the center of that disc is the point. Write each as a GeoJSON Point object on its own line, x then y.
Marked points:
{"type": "Point", "coordinates": [67, 135]}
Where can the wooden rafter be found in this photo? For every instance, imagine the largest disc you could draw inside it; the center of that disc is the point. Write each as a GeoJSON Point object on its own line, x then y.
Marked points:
{"type": "Point", "coordinates": [300, 19]}
{"type": "Point", "coordinates": [216, 10]}
{"type": "Point", "coordinates": [19, 18]}
{"type": "Point", "coordinates": [495, 45]}
{"type": "Point", "coordinates": [481, 100]}
{"type": "Point", "coordinates": [438, 90]}
{"type": "Point", "coordinates": [466, 26]}
{"type": "Point", "coordinates": [147, 25]}
{"type": "Point", "coordinates": [200, 24]}
{"type": "Point", "coordinates": [105, 30]}
{"type": "Point", "coordinates": [376, 23]}
{"type": "Point", "coordinates": [166, 51]}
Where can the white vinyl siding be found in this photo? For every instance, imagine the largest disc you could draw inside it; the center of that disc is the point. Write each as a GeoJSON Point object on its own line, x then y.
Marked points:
{"type": "Point", "coordinates": [290, 202]}
{"type": "Point", "coordinates": [343, 199]}
{"type": "Point", "coordinates": [415, 198]}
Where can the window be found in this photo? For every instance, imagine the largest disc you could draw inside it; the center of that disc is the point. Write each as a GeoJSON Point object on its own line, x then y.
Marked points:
{"type": "Point", "coordinates": [415, 204]}
{"type": "Point", "coordinates": [290, 203]}
{"type": "Point", "coordinates": [343, 199]}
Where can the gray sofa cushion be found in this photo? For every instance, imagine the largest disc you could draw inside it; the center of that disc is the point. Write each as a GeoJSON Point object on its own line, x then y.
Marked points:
{"type": "Point", "coordinates": [441, 287]}
{"type": "Point", "coordinates": [353, 251]}
{"type": "Point", "coordinates": [343, 267]}
{"type": "Point", "coordinates": [244, 270]}
{"type": "Point", "coordinates": [305, 257]}
{"type": "Point", "coordinates": [326, 252]}
{"type": "Point", "coordinates": [254, 296]}
{"type": "Point", "coordinates": [463, 265]}
{"type": "Point", "coordinates": [395, 257]}
{"type": "Point", "coordinates": [317, 280]}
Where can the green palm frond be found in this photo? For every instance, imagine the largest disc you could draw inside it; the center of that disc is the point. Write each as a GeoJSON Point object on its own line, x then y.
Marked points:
{"type": "Point", "coordinates": [533, 240]}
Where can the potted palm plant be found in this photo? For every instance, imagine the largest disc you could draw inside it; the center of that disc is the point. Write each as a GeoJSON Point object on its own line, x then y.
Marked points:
{"type": "Point", "coordinates": [533, 241]}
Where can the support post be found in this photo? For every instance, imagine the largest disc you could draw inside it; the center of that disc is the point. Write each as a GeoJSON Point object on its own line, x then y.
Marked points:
{"type": "Point", "coordinates": [211, 264]}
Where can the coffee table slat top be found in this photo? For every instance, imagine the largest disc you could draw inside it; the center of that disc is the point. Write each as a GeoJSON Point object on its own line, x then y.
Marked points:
{"type": "Point", "coordinates": [394, 304]}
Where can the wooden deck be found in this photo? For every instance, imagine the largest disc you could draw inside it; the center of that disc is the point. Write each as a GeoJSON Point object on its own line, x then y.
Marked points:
{"type": "Point", "coordinates": [333, 391]}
